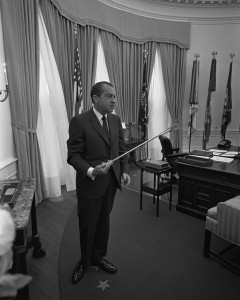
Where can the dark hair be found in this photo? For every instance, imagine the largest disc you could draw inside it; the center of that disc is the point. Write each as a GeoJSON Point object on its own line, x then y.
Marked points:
{"type": "Point", "coordinates": [97, 88]}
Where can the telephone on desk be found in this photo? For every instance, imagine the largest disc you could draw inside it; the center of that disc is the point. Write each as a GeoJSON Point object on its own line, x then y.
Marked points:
{"type": "Point", "coordinates": [224, 144]}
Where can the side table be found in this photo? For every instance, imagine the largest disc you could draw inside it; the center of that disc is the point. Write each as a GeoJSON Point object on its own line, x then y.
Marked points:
{"type": "Point", "coordinates": [159, 186]}
{"type": "Point", "coordinates": [24, 210]}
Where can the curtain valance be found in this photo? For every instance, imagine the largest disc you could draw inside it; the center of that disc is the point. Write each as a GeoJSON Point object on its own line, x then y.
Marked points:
{"type": "Point", "coordinates": [127, 26]}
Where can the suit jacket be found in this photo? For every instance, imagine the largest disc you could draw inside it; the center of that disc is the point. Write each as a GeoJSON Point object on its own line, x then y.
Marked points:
{"type": "Point", "coordinates": [88, 146]}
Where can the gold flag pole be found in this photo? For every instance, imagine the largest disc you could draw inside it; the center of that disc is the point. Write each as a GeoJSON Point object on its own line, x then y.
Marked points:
{"type": "Point", "coordinates": [149, 140]}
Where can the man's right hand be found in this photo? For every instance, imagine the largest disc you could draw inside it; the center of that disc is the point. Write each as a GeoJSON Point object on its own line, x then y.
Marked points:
{"type": "Point", "coordinates": [102, 169]}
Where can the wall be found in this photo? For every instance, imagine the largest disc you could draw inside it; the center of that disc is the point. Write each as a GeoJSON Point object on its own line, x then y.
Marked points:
{"type": "Point", "coordinates": [8, 167]}
{"type": "Point", "coordinates": [225, 39]}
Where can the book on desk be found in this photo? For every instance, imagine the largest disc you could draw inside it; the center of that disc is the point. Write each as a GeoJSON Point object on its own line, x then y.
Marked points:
{"type": "Point", "coordinates": [156, 164]}
{"type": "Point", "coordinates": [9, 192]}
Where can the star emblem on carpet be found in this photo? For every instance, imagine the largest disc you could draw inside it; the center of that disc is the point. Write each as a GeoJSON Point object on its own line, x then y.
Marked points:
{"type": "Point", "coordinates": [103, 285]}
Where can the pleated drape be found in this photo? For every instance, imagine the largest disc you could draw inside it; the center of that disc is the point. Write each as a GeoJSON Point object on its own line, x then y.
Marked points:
{"type": "Point", "coordinates": [124, 62]}
{"type": "Point", "coordinates": [87, 38]}
{"type": "Point", "coordinates": [21, 42]}
{"type": "Point", "coordinates": [174, 77]}
{"type": "Point", "coordinates": [61, 35]}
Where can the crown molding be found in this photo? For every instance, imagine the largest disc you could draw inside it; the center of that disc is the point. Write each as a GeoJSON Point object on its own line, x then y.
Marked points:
{"type": "Point", "coordinates": [207, 12]}
{"type": "Point", "coordinates": [223, 4]}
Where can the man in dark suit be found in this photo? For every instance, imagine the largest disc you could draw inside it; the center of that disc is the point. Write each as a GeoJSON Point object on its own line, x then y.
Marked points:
{"type": "Point", "coordinates": [95, 139]}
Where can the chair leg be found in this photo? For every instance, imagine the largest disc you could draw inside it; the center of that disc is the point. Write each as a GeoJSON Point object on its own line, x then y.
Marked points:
{"type": "Point", "coordinates": [141, 183]}
{"type": "Point", "coordinates": [207, 242]}
{"type": "Point", "coordinates": [157, 208]}
{"type": "Point", "coordinates": [170, 200]}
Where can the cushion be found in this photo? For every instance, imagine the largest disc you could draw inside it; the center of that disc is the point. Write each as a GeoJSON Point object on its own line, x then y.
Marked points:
{"type": "Point", "coordinates": [212, 213]}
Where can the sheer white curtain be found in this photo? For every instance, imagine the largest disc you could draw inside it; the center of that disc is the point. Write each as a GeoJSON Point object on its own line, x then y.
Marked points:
{"type": "Point", "coordinates": [52, 128]}
{"type": "Point", "coordinates": [159, 117]}
{"type": "Point", "coordinates": [101, 69]}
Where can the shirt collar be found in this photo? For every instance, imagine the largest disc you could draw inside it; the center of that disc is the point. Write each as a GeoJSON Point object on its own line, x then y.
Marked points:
{"type": "Point", "coordinates": [98, 115]}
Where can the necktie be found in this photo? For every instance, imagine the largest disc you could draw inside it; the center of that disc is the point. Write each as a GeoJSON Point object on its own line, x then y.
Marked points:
{"type": "Point", "coordinates": [105, 126]}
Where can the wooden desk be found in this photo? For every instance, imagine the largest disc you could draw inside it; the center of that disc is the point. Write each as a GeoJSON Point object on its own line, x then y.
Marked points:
{"type": "Point", "coordinates": [157, 187]}
{"type": "Point", "coordinates": [203, 187]}
{"type": "Point", "coordinates": [25, 208]}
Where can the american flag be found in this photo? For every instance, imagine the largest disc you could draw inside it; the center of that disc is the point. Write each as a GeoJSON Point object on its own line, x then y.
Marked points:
{"type": "Point", "coordinates": [143, 108]}
{"type": "Point", "coordinates": [208, 117]}
{"type": "Point", "coordinates": [193, 99]}
{"type": "Point", "coordinates": [226, 118]}
{"type": "Point", "coordinates": [77, 78]}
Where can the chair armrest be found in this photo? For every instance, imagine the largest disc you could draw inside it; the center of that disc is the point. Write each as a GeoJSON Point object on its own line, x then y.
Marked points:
{"type": "Point", "coordinates": [228, 215]}
{"type": "Point", "coordinates": [176, 150]}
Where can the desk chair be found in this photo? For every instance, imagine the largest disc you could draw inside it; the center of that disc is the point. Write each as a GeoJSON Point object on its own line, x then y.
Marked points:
{"type": "Point", "coordinates": [169, 153]}
{"type": "Point", "coordinates": [223, 220]}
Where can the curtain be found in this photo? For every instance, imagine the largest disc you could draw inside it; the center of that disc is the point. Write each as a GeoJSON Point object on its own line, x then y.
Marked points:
{"type": "Point", "coordinates": [174, 75]}
{"type": "Point", "coordinates": [124, 62]}
{"type": "Point", "coordinates": [61, 35]}
{"type": "Point", "coordinates": [21, 42]}
{"type": "Point", "coordinates": [87, 39]}
{"type": "Point", "coordinates": [159, 116]}
{"type": "Point", "coordinates": [52, 128]}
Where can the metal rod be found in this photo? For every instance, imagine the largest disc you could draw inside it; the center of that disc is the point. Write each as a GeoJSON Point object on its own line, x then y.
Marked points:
{"type": "Point", "coordinates": [165, 131]}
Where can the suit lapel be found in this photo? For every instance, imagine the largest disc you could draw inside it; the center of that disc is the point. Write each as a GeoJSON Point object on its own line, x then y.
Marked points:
{"type": "Point", "coordinates": [96, 124]}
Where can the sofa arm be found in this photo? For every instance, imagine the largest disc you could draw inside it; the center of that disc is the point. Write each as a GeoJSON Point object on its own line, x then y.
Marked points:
{"type": "Point", "coordinates": [228, 215]}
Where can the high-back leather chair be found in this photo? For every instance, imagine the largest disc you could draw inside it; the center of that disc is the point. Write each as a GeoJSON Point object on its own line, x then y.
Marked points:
{"type": "Point", "coordinates": [169, 153]}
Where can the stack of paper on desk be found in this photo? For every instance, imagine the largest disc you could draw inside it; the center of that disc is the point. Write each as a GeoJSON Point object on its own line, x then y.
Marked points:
{"type": "Point", "coordinates": [217, 152]}
{"type": "Point", "coordinates": [230, 154]}
{"type": "Point", "coordinates": [222, 159]}
{"type": "Point", "coordinates": [224, 153]}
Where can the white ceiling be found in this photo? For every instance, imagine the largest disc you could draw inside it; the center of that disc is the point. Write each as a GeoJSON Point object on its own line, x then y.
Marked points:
{"type": "Point", "coordinates": [212, 11]}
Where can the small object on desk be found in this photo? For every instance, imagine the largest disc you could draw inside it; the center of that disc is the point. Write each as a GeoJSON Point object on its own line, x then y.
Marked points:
{"type": "Point", "coordinates": [224, 144]}
{"type": "Point", "coordinates": [10, 192]}
{"type": "Point", "coordinates": [156, 164]}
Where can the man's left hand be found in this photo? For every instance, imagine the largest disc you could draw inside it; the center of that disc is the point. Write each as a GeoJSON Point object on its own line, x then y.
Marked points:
{"type": "Point", "coordinates": [126, 179]}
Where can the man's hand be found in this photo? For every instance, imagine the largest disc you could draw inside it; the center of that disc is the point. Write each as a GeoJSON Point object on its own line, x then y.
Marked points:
{"type": "Point", "coordinates": [126, 179]}
{"type": "Point", "coordinates": [102, 169]}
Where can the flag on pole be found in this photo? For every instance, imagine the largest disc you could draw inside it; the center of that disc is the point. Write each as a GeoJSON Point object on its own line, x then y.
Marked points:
{"type": "Point", "coordinates": [193, 99]}
{"type": "Point", "coordinates": [143, 108]}
{"type": "Point", "coordinates": [77, 79]}
{"type": "Point", "coordinates": [208, 117]}
{"type": "Point", "coordinates": [226, 118]}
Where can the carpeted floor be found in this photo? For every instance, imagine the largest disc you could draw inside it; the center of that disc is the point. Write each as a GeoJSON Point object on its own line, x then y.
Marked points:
{"type": "Point", "coordinates": [158, 258]}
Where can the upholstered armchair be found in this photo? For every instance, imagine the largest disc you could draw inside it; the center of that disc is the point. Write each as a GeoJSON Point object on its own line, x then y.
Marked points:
{"type": "Point", "coordinates": [223, 220]}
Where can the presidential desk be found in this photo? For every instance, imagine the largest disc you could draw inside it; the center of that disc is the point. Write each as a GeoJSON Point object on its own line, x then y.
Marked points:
{"type": "Point", "coordinates": [202, 187]}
